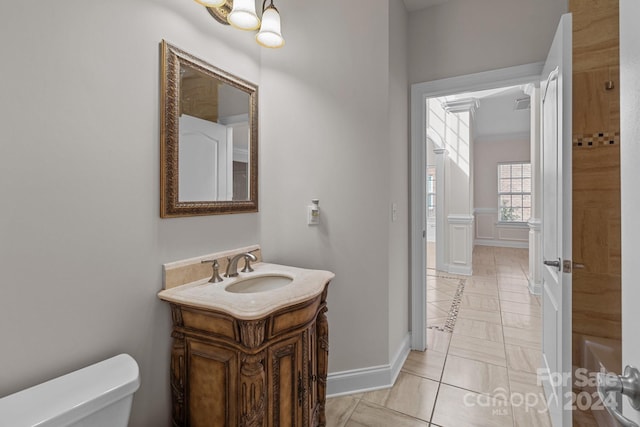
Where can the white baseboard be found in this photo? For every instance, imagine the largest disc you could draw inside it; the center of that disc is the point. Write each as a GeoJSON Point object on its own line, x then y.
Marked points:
{"type": "Point", "coordinates": [535, 288]}
{"type": "Point", "coordinates": [524, 244]}
{"type": "Point", "coordinates": [464, 270]}
{"type": "Point", "coordinates": [369, 379]}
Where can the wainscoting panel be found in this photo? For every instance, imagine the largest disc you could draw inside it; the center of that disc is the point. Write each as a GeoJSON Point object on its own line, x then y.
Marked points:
{"type": "Point", "coordinates": [489, 233]}
{"type": "Point", "coordinates": [460, 244]}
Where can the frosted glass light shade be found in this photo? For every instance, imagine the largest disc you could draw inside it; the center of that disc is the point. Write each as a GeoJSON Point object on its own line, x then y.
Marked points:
{"type": "Point", "coordinates": [270, 34]}
{"type": "Point", "coordinates": [211, 3]}
{"type": "Point", "coordinates": [243, 15]}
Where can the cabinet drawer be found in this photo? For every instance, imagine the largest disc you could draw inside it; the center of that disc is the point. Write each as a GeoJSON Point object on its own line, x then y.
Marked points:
{"type": "Point", "coordinates": [295, 317]}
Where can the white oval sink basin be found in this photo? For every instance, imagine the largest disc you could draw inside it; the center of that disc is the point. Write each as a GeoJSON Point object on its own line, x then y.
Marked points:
{"type": "Point", "coordinates": [258, 284]}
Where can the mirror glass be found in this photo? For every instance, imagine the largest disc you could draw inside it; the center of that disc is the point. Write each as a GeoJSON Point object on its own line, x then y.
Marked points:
{"type": "Point", "coordinates": [209, 139]}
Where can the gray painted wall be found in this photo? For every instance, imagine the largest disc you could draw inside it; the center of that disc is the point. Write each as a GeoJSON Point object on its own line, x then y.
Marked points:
{"type": "Point", "coordinates": [462, 37]}
{"type": "Point", "coordinates": [81, 240]}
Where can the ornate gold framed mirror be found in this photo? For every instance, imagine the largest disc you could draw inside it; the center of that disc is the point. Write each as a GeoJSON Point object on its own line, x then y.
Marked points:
{"type": "Point", "coordinates": [208, 138]}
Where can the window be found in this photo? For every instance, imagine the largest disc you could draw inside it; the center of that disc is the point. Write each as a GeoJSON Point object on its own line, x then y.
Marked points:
{"type": "Point", "coordinates": [514, 192]}
{"type": "Point", "coordinates": [431, 192]}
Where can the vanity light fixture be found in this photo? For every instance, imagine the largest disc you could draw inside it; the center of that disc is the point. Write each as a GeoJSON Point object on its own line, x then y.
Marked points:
{"type": "Point", "coordinates": [241, 14]}
{"type": "Point", "coordinates": [211, 3]}
{"type": "Point", "coordinates": [270, 34]}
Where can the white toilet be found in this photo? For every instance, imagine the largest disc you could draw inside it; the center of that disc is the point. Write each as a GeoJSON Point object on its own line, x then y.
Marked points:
{"type": "Point", "coordinates": [99, 395]}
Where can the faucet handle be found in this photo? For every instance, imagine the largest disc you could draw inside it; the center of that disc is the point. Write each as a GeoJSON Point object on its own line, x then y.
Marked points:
{"type": "Point", "coordinates": [215, 278]}
{"type": "Point", "coordinates": [248, 257]}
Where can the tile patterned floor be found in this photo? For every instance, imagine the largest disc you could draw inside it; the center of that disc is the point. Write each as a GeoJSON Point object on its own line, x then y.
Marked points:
{"type": "Point", "coordinates": [476, 376]}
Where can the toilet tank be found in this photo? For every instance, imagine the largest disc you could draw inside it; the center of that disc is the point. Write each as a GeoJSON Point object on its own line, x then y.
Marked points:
{"type": "Point", "coordinates": [99, 395]}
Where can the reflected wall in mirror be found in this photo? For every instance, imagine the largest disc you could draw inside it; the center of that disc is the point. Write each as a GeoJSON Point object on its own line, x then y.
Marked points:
{"type": "Point", "coordinates": [209, 138]}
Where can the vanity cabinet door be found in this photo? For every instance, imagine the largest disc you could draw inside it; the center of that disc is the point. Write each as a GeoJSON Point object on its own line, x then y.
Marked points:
{"type": "Point", "coordinates": [212, 378]}
{"type": "Point", "coordinates": [286, 383]}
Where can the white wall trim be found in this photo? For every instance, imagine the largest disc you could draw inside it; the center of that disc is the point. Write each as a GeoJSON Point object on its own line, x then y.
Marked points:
{"type": "Point", "coordinates": [520, 225]}
{"type": "Point", "coordinates": [523, 244]}
{"type": "Point", "coordinates": [464, 270]}
{"type": "Point", "coordinates": [535, 288]}
{"type": "Point", "coordinates": [369, 379]}
{"type": "Point", "coordinates": [510, 76]}
{"type": "Point", "coordinates": [461, 105]}
{"type": "Point", "coordinates": [535, 224]}
{"type": "Point", "coordinates": [460, 219]}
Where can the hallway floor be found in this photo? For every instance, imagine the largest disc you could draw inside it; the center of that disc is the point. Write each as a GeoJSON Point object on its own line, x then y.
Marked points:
{"type": "Point", "coordinates": [483, 373]}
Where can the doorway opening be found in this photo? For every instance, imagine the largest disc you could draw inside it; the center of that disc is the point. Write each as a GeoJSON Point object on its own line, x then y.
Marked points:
{"type": "Point", "coordinates": [454, 221]}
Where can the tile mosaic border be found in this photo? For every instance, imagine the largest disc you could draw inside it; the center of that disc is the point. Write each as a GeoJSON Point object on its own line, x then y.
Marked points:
{"type": "Point", "coordinates": [452, 316]}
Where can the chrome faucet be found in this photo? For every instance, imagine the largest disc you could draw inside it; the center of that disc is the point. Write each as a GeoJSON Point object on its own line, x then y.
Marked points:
{"type": "Point", "coordinates": [232, 266]}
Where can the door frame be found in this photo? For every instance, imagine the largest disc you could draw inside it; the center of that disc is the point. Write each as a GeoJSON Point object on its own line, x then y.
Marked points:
{"type": "Point", "coordinates": [511, 76]}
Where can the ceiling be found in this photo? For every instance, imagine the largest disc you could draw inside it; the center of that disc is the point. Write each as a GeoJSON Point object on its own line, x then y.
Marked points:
{"type": "Point", "coordinates": [496, 116]}
{"type": "Point", "coordinates": [413, 5]}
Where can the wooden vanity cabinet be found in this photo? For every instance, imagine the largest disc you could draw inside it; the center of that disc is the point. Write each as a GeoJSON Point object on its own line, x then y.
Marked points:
{"type": "Point", "coordinates": [267, 372]}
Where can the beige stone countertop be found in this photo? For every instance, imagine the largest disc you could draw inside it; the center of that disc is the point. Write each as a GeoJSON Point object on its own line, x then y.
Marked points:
{"type": "Point", "coordinates": [306, 284]}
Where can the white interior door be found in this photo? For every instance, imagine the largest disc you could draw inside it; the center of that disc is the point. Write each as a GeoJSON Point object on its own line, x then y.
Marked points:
{"type": "Point", "coordinates": [556, 223]}
{"type": "Point", "coordinates": [205, 157]}
{"type": "Point", "coordinates": [630, 177]}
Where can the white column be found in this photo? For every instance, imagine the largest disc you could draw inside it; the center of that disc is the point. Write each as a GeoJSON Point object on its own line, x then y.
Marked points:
{"type": "Point", "coordinates": [535, 237]}
{"type": "Point", "coordinates": [459, 177]}
{"type": "Point", "coordinates": [441, 211]}
{"type": "Point", "coordinates": [460, 244]}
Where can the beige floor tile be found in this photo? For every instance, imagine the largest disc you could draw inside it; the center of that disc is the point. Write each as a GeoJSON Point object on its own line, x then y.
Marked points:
{"type": "Point", "coordinates": [479, 302]}
{"type": "Point", "coordinates": [512, 281]}
{"type": "Point", "coordinates": [478, 329]}
{"type": "Point", "coordinates": [510, 271]}
{"type": "Point", "coordinates": [442, 282]}
{"type": "Point", "coordinates": [411, 395]}
{"type": "Point", "coordinates": [483, 315]}
{"type": "Point", "coordinates": [517, 307]}
{"type": "Point", "coordinates": [370, 415]}
{"type": "Point", "coordinates": [512, 277]}
{"type": "Point", "coordinates": [427, 364]}
{"type": "Point", "coordinates": [531, 338]}
{"type": "Point", "coordinates": [482, 281]}
{"type": "Point", "coordinates": [434, 311]}
{"type": "Point", "coordinates": [480, 288]}
{"type": "Point", "coordinates": [439, 295]}
{"type": "Point", "coordinates": [528, 399]}
{"type": "Point", "coordinates": [515, 320]}
{"type": "Point", "coordinates": [487, 271]}
{"type": "Point", "coordinates": [477, 359]}
{"type": "Point", "coordinates": [339, 409]}
{"type": "Point", "coordinates": [456, 407]}
{"type": "Point", "coordinates": [436, 321]}
{"type": "Point", "coordinates": [521, 289]}
{"type": "Point", "coordinates": [478, 349]}
{"type": "Point", "coordinates": [526, 416]}
{"type": "Point", "coordinates": [444, 305]}
{"type": "Point", "coordinates": [476, 376]}
{"type": "Point", "coordinates": [438, 340]}
{"type": "Point", "coordinates": [523, 358]}
{"type": "Point", "coordinates": [524, 382]}
{"type": "Point", "coordinates": [523, 297]}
